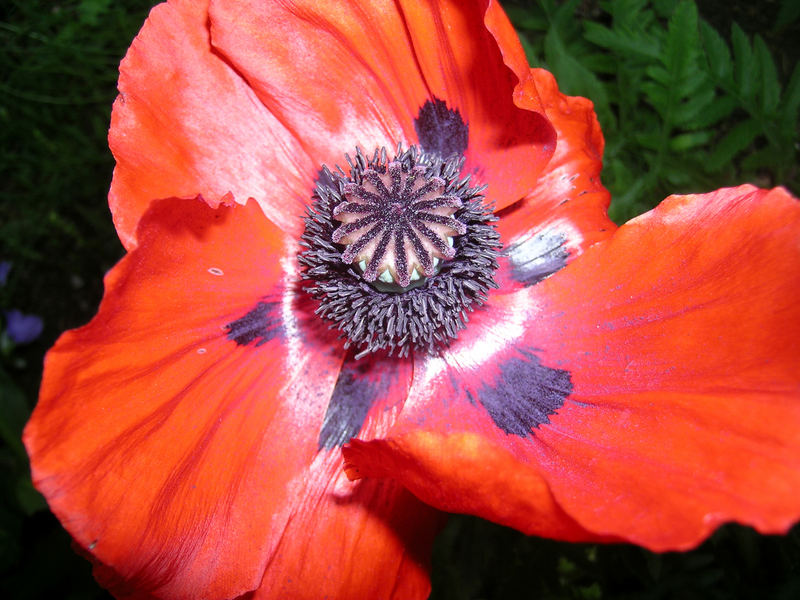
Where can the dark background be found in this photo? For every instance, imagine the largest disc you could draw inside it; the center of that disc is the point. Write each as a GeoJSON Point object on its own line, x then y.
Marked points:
{"type": "Point", "coordinates": [58, 70]}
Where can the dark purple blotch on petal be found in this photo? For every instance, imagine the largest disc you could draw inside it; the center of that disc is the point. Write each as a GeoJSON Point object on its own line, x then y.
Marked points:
{"type": "Point", "coordinates": [441, 130]}
{"type": "Point", "coordinates": [537, 257]}
{"type": "Point", "coordinates": [260, 325]}
{"type": "Point", "coordinates": [524, 394]}
{"type": "Point", "coordinates": [360, 384]}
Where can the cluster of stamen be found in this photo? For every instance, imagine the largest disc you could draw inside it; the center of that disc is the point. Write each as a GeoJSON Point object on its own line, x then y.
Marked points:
{"type": "Point", "coordinates": [398, 251]}
{"type": "Point", "coordinates": [397, 226]}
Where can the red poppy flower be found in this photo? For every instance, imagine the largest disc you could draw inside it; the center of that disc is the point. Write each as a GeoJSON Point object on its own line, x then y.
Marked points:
{"type": "Point", "coordinates": [272, 308]}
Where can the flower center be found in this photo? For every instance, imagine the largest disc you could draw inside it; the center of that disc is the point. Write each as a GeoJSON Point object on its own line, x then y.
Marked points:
{"type": "Point", "coordinates": [397, 225]}
{"type": "Point", "coordinates": [398, 251]}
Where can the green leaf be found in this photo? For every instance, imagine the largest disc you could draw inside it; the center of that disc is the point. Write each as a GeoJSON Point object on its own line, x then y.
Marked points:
{"type": "Point", "coordinates": [713, 112]}
{"type": "Point", "coordinates": [736, 140]}
{"type": "Point", "coordinates": [526, 18]}
{"type": "Point", "coordinates": [770, 86]}
{"type": "Point", "coordinates": [664, 8]}
{"type": "Point", "coordinates": [659, 74]}
{"type": "Point", "coordinates": [745, 67]}
{"type": "Point", "coordinates": [91, 11]}
{"type": "Point", "coordinates": [562, 16]}
{"type": "Point", "coordinates": [766, 157]}
{"type": "Point", "coordinates": [649, 139]}
{"type": "Point", "coordinates": [658, 96]}
{"type": "Point", "coordinates": [621, 44]}
{"type": "Point", "coordinates": [687, 141]}
{"type": "Point", "coordinates": [717, 54]}
{"type": "Point", "coordinates": [677, 78]}
{"type": "Point", "coordinates": [695, 79]}
{"type": "Point", "coordinates": [601, 62]}
{"type": "Point", "coordinates": [632, 17]}
{"type": "Point", "coordinates": [679, 175]}
{"type": "Point", "coordinates": [790, 105]}
{"type": "Point", "coordinates": [682, 39]}
{"type": "Point", "coordinates": [688, 112]}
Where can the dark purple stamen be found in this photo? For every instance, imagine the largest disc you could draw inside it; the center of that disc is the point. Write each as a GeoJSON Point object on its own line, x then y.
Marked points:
{"type": "Point", "coordinates": [411, 219]}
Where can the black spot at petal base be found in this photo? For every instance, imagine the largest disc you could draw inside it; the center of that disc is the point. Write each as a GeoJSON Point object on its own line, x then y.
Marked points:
{"type": "Point", "coordinates": [441, 130]}
{"type": "Point", "coordinates": [260, 325]}
{"type": "Point", "coordinates": [525, 394]}
{"type": "Point", "coordinates": [538, 257]}
{"type": "Point", "coordinates": [358, 387]}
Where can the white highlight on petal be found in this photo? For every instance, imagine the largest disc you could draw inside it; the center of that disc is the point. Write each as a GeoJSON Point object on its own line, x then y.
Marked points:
{"type": "Point", "coordinates": [292, 344]}
{"type": "Point", "coordinates": [201, 350]}
{"type": "Point", "coordinates": [503, 333]}
{"type": "Point", "coordinates": [216, 271]}
{"type": "Point", "coordinates": [386, 277]}
{"type": "Point", "coordinates": [362, 265]}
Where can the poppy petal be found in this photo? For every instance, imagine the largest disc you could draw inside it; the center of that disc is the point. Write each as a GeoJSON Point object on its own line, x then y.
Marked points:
{"type": "Point", "coordinates": [353, 542]}
{"type": "Point", "coordinates": [176, 435]}
{"type": "Point", "coordinates": [445, 449]}
{"type": "Point", "coordinates": [469, 54]}
{"type": "Point", "coordinates": [384, 64]}
{"type": "Point", "coordinates": [186, 123]}
{"type": "Point", "coordinates": [367, 398]}
{"type": "Point", "coordinates": [651, 387]}
{"type": "Point", "coordinates": [566, 212]}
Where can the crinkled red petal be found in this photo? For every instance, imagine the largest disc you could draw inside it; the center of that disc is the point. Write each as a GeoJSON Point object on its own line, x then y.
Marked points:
{"type": "Point", "coordinates": [566, 212]}
{"type": "Point", "coordinates": [469, 54]}
{"type": "Point", "coordinates": [186, 123]}
{"type": "Point", "coordinates": [358, 73]}
{"type": "Point", "coordinates": [177, 434]}
{"type": "Point", "coordinates": [651, 389]}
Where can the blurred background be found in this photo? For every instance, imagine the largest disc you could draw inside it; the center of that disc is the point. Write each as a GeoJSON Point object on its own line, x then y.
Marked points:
{"type": "Point", "coordinates": [691, 96]}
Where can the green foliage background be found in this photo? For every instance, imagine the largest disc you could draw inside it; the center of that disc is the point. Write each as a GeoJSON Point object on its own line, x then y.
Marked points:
{"type": "Point", "coordinates": [684, 107]}
{"type": "Point", "coordinates": [691, 96]}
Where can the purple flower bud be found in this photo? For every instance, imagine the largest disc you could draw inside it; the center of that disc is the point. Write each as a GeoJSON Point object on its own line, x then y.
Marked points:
{"type": "Point", "coordinates": [22, 328]}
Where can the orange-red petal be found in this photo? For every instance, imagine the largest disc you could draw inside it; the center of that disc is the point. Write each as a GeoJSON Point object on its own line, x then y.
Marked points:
{"type": "Point", "coordinates": [566, 212]}
{"type": "Point", "coordinates": [469, 55]}
{"type": "Point", "coordinates": [176, 435]}
{"type": "Point", "coordinates": [187, 120]}
{"type": "Point", "coordinates": [371, 540]}
{"type": "Point", "coordinates": [344, 74]}
{"type": "Point", "coordinates": [650, 389]}
{"type": "Point", "coordinates": [186, 123]}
